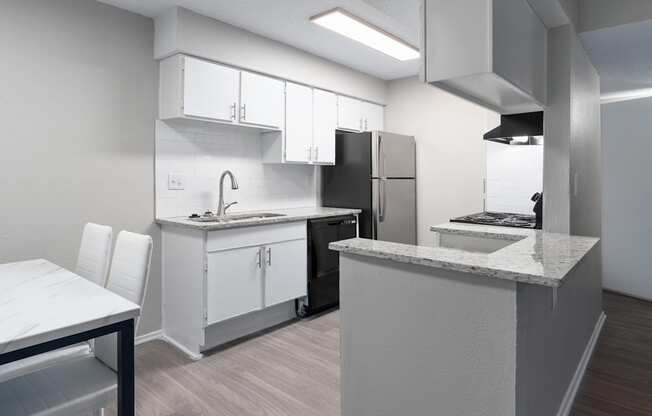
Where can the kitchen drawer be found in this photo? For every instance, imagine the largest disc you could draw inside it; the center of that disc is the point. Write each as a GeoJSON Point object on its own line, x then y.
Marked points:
{"type": "Point", "coordinates": [255, 236]}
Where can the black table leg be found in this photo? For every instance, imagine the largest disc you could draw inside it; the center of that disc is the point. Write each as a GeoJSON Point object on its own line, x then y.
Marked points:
{"type": "Point", "coordinates": [126, 373]}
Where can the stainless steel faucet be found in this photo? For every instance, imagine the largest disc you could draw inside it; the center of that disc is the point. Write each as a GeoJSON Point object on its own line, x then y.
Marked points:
{"type": "Point", "coordinates": [221, 208]}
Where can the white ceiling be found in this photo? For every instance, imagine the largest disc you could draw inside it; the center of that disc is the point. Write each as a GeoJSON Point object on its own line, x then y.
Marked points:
{"type": "Point", "coordinates": [287, 21]}
{"type": "Point", "coordinates": [623, 57]}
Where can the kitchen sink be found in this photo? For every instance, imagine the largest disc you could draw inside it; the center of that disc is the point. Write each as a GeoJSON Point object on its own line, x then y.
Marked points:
{"type": "Point", "coordinates": [237, 217]}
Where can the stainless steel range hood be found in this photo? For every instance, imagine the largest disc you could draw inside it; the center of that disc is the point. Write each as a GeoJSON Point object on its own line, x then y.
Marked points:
{"type": "Point", "coordinates": [518, 129]}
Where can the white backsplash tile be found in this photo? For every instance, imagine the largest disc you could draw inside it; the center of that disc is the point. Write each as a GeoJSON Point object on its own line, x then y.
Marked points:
{"type": "Point", "coordinates": [201, 153]}
{"type": "Point", "coordinates": [514, 173]}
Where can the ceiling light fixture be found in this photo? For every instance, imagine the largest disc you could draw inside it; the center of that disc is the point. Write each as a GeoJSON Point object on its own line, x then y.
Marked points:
{"type": "Point", "coordinates": [353, 27]}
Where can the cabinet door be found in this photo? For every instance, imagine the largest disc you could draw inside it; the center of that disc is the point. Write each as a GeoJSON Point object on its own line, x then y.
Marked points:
{"type": "Point", "coordinates": [373, 117]}
{"type": "Point", "coordinates": [234, 283]}
{"type": "Point", "coordinates": [349, 113]}
{"type": "Point", "coordinates": [286, 271]}
{"type": "Point", "coordinates": [324, 126]}
{"type": "Point", "coordinates": [210, 90]}
{"type": "Point", "coordinates": [298, 123]}
{"type": "Point", "coordinates": [261, 100]}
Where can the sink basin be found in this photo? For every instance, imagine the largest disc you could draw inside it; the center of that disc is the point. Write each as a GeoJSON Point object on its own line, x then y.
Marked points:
{"type": "Point", "coordinates": [471, 243]}
{"type": "Point", "coordinates": [237, 217]}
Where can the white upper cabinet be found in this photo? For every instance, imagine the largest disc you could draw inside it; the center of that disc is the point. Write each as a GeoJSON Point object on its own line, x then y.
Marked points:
{"type": "Point", "coordinates": [192, 88]}
{"type": "Point", "coordinates": [325, 124]}
{"type": "Point", "coordinates": [349, 114]}
{"type": "Point", "coordinates": [373, 116]}
{"type": "Point", "coordinates": [494, 54]}
{"type": "Point", "coordinates": [357, 115]}
{"type": "Point", "coordinates": [209, 90]}
{"type": "Point", "coordinates": [298, 123]}
{"type": "Point", "coordinates": [261, 100]}
{"type": "Point", "coordinates": [310, 124]}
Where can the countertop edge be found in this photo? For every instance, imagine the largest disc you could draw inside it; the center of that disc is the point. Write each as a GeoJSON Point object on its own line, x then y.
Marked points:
{"type": "Point", "coordinates": [345, 248]}
{"type": "Point", "coordinates": [183, 223]}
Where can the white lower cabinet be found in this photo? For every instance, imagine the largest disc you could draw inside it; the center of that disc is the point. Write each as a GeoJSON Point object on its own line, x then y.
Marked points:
{"type": "Point", "coordinates": [233, 283]}
{"type": "Point", "coordinates": [221, 285]}
{"type": "Point", "coordinates": [285, 271]}
{"type": "Point", "coordinates": [249, 269]}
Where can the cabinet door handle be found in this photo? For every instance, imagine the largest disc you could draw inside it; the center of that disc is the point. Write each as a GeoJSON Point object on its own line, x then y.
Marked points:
{"type": "Point", "coordinates": [360, 123]}
{"type": "Point", "coordinates": [233, 107]}
{"type": "Point", "coordinates": [316, 153]}
{"type": "Point", "coordinates": [259, 262]}
{"type": "Point", "coordinates": [309, 153]}
{"type": "Point", "coordinates": [366, 125]}
{"type": "Point", "coordinates": [269, 256]}
{"type": "Point", "coordinates": [243, 112]}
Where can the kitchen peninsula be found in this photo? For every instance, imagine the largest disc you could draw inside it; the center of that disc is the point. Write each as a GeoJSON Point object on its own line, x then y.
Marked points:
{"type": "Point", "coordinates": [488, 321]}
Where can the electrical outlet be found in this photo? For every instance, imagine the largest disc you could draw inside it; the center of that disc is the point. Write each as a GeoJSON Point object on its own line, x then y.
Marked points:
{"type": "Point", "coordinates": [176, 182]}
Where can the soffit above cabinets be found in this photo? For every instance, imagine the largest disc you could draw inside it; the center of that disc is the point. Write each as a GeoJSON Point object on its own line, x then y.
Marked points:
{"type": "Point", "coordinates": [287, 21]}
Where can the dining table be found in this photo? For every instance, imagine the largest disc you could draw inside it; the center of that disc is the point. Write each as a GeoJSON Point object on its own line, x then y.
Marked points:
{"type": "Point", "coordinates": [44, 307]}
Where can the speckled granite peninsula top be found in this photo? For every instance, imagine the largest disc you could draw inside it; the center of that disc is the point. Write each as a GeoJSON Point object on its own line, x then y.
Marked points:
{"type": "Point", "coordinates": [535, 257]}
{"type": "Point", "coordinates": [287, 215]}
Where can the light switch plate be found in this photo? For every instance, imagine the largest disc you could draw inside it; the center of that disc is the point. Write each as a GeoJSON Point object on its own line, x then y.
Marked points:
{"type": "Point", "coordinates": [176, 182]}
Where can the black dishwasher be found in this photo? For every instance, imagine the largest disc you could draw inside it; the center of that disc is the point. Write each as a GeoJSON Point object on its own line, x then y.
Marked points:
{"type": "Point", "coordinates": [324, 264]}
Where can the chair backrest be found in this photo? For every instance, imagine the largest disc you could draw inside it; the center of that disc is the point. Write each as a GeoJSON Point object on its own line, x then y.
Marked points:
{"type": "Point", "coordinates": [128, 278]}
{"type": "Point", "coordinates": [95, 253]}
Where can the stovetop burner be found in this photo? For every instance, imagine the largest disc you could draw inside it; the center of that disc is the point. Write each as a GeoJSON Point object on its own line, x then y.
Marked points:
{"type": "Point", "coordinates": [503, 219]}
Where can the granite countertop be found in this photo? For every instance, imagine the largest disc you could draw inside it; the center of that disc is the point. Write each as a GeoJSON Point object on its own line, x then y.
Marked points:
{"type": "Point", "coordinates": [535, 257]}
{"type": "Point", "coordinates": [288, 215]}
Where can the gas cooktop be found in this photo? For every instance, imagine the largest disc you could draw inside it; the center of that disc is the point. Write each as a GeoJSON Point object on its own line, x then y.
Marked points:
{"type": "Point", "coordinates": [503, 219]}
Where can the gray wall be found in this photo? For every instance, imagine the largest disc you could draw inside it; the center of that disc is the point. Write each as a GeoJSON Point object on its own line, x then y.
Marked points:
{"type": "Point", "coordinates": [572, 148]}
{"type": "Point", "coordinates": [550, 342]}
{"type": "Point", "coordinates": [598, 14]}
{"type": "Point", "coordinates": [420, 341]}
{"type": "Point", "coordinates": [77, 108]}
{"type": "Point", "coordinates": [627, 197]}
{"type": "Point", "coordinates": [556, 149]}
{"type": "Point", "coordinates": [585, 146]}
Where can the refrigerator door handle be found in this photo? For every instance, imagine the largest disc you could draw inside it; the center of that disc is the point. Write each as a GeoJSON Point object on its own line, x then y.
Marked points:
{"type": "Point", "coordinates": [381, 197]}
{"type": "Point", "coordinates": [379, 151]}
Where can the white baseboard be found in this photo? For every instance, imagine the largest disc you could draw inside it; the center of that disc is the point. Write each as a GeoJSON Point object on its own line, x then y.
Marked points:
{"type": "Point", "coordinates": [151, 336]}
{"type": "Point", "coordinates": [159, 335]}
{"type": "Point", "coordinates": [192, 355]}
{"type": "Point", "coordinates": [576, 381]}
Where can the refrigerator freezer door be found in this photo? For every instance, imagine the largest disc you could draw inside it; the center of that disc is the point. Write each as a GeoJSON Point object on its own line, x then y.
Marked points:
{"type": "Point", "coordinates": [393, 156]}
{"type": "Point", "coordinates": [394, 210]}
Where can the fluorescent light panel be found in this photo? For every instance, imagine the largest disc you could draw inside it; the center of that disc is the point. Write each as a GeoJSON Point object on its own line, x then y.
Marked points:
{"type": "Point", "coordinates": [352, 27]}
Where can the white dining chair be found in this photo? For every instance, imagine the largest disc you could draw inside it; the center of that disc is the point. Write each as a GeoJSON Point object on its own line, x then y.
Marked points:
{"type": "Point", "coordinates": [128, 278]}
{"type": "Point", "coordinates": [86, 385]}
{"type": "Point", "coordinates": [92, 264]}
{"type": "Point", "coordinates": [95, 253]}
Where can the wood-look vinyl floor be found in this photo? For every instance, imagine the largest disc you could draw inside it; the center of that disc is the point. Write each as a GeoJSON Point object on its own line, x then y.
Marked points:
{"type": "Point", "coordinates": [619, 379]}
{"type": "Point", "coordinates": [294, 371]}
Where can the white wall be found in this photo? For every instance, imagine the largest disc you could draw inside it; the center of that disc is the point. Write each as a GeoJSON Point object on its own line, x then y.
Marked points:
{"type": "Point", "coordinates": [77, 114]}
{"type": "Point", "coordinates": [627, 197]}
{"type": "Point", "coordinates": [181, 30]}
{"type": "Point", "coordinates": [201, 153]}
{"type": "Point", "coordinates": [514, 174]}
{"type": "Point", "coordinates": [450, 149]}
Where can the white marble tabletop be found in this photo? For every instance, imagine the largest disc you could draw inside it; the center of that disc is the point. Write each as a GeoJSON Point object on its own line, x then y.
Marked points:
{"type": "Point", "coordinates": [535, 257]}
{"type": "Point", "coordinates": [40, 302]}
{"type": "Point", "coordinates": [287, 215]}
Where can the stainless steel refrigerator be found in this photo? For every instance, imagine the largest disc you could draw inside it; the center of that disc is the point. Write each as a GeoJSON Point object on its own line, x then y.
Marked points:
{"type": "Point", "coordinates": [375, 172]}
